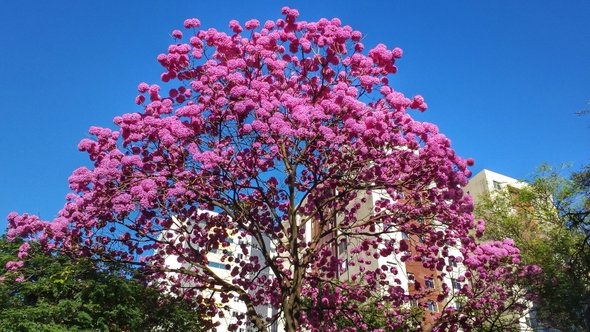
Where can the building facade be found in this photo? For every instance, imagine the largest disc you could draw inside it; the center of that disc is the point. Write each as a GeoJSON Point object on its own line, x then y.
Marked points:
{"type": "Point", "coordinates": [421, 284]}
{"type": "Point", "coordinates": [237, 247]}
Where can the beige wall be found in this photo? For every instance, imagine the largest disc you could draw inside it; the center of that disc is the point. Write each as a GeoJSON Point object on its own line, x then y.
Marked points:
{"type": "Point", "coordinates": [487, 181]}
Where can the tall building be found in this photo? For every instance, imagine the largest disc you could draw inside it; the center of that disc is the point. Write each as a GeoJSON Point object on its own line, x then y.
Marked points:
{"type": "Point", "coordinates": [419, 282]}
{"type": "Point", "coordinates": [220, 262]}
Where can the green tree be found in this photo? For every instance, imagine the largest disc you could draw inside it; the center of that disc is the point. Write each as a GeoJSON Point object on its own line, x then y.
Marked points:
{"type": "Point", "coordinates": [549, 221]}
{"type": "Point", "coordinates": [56, 293]}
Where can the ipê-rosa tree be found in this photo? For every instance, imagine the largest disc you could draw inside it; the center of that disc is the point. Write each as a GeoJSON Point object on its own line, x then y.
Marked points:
{"type": "Point", "coordinates": [264, 153]}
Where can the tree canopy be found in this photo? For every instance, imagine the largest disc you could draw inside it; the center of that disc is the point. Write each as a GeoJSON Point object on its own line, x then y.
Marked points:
{"type": "Point", "coordinates": [273, 141]}
{"type": "Point", "coordinates": [56, 293]}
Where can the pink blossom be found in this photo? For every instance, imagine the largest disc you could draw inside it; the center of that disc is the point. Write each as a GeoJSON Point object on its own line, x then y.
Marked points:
{"type": "Point", "coordinates": [13, 266]}
{"type": "Point", "coordinates": [252, 24]}
{"type": "Point", "coordinates": [23, 250]}
{"type": "Point", "coordinates": [177, 34]}
{"type": "Point", "coordinates": [139, 99]}
{"type": "Point", "coordinates": [235, 26]}
{"type": "Point", "coordinates": [192, 23]}
{"type": "Point", "coordinates": [356, 36]}
{"type": "Point", "coordinates": [154, 88]}
{"type": "Point", "coordinates": [143, 87]}
{"type": "Point", "coordinates": [247, 128]}
{"type": "Point", "coordinates": [418, 102]}
{"type": "Point", "coordinates": [269, 25]}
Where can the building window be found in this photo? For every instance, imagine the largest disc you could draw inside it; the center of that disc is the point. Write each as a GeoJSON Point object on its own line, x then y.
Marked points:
{"type": "Point", "coordinates": [218, 265]}
{"type": "Point", "coordinates": [497, 185]}
{"type": "Point", "coordinates": [432, 306]}
{"type": "Point", "coordinates": [429, 282]}
{"type": "Point", "coordinates": [452, 262]}
{"type": "Point", "coordinates": [344, 266]}
{"type": "Point", "coordinates": [342, 247]}
{"type": "Point", "coordinates": [392, 268]}
{"type": "Point", "coordinates": [413, 303]}
{"type": "Point", "coordinates": [456, 284]}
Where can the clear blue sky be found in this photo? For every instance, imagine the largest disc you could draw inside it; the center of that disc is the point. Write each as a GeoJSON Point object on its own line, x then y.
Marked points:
{"type": "Point", "coordinates": [503, 79]}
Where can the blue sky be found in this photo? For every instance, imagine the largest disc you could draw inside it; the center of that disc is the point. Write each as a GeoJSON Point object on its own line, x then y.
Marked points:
{"type": "Point", "coordinates": [502, 79]}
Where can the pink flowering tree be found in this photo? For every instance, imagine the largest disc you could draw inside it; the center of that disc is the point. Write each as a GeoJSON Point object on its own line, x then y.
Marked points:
{"type": "Point", "coordinates": [261, 149]}
{"type": "Point", "coordinates": [496, 295]}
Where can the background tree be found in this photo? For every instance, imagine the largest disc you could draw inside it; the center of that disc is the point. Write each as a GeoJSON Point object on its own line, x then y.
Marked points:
{"type": "Point", "coordinates": [548, 220]}
{"type": "Point", "coordinates": [55, 293]}
{"type": "Point", "coordinates": [269, 140]}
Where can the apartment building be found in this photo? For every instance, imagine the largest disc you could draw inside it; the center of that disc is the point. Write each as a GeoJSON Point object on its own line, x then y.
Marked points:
{"type": "Point", "coordinates": [220, 261]}
{"type": "Point", "coordinates": [416, 280]}
{"type": "Point", "coordinates": [419, 282]}
{"type": "Point", "coordinates": [422, 285]}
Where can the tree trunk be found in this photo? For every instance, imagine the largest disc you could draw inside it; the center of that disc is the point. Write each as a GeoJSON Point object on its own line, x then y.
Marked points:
{"type": "Point", "coordinates": [291, 323]}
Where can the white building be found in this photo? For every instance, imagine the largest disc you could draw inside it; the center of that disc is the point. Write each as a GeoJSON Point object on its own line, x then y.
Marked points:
{"type": "Point", "coordinates": [486, 182]}
{"type": "Point", "coordinates": [220, 262]}
{"type": "Point", "coordinates": [408, 271]}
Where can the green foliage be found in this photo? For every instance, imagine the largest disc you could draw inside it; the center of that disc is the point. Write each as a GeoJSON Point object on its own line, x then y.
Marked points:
{"type": "Point", "coordinates": [549, 222]}
{"type": "Point", "coordinates": [60, 294]}
{"type": "Point", "coordinates": [374, 316]}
